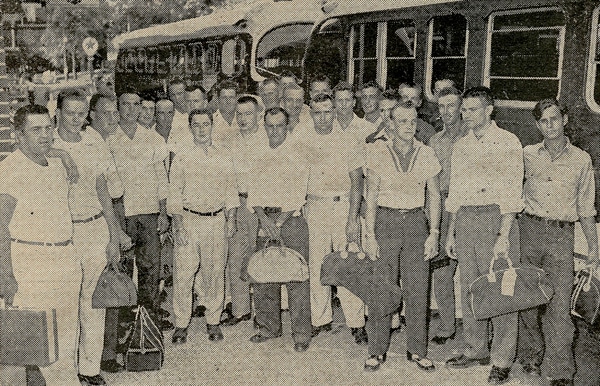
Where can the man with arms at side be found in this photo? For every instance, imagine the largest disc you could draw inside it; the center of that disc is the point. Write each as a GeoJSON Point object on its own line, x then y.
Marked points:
{"type": "Point", "coordinates": [559, 190]}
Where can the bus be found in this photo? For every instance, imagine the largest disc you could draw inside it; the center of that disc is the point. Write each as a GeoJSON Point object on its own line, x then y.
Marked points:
{"type": "Point", "coordinates": [246, 44]}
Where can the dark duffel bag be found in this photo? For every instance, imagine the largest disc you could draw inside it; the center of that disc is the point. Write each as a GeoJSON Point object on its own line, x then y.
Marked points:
{"type": "Point", "coordinates": [114, 289]}
{"type": "Point", "coordinates": [146, 348]}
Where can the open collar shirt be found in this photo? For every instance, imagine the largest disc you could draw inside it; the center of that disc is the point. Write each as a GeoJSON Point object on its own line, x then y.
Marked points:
{"type": "Point", "coordinates": [562, 188]}
{"type": "Point", "coordinates": [486, 171]}
{"type": "Point", "coordinates": [443, 143]}
{"type": "Point", "coordinates": [245, 147]}
{"type": "Point", "coordinates": [224, 134]}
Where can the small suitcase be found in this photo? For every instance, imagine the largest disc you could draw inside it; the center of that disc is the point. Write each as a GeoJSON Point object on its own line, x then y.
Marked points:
{"type": "Point", "coordinates": [146, 348]}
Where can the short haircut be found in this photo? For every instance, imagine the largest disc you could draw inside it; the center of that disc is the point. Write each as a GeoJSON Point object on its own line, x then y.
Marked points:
{"type": "Point", "coordinates": [70, 95]}
{"type": "Point", "coordinates": [292, 86]}
{"type": "Point", "coordinates": [270, 80]}
{"type": "Point", "coordinates": [450, 91]}
{"type": "Point", "coordinates": [193, 88]}
{"type": "Point", "coordinates": [372, 84]}
{"type": "Point", "coordinates": [343, 86]}
{"type": "Point", "coordinates": [277, 110]}
{"type": "Point", "coordinates": [414, 85]}
{"type": "Point", "coordinates": [481, 92]}
{"type": "Point", "coordinates": [176, 80]}
{"type": "Point", "coordinates": [403, 105]}
{"type": "Point", "coordinates": [542, 105]}
{"type": "Point", "coordinates": [165, 101]}
{"type": "Point", "coordinates": [320, 78]}
{"type": "Point", "coordinates": [227, 85]}
{"type": "Point", "coordinates": [128, 89]}
{"type": "Point", "coordinates": [288, 74]}
{"type": "Point", "coordinates": [148, 96]}
{"type": "Point", "coordinates": [207, 112]}
{"type": "Point", "coordinates": [319, 98]}
{"type": "Point", "coordinates": [22, 113]}
{"type": "Point", "coordinates": [96, 98]}
{"type": "Point", "coordinates": [247, 99]}
{"type": "Point", "coordinates": [390, 94]}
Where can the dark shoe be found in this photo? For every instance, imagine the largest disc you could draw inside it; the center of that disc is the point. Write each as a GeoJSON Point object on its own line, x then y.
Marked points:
{"type": "Point", "coordinates": [179, 336]}
{"type": "Point", "coordinates": [301, 346]}
{"type": "Point", "coordinates": [259, 338]}
{"type": "Point", "coordinates": [214, 332]}
{"type": "Point", "coordinates": [423, 363]}
{"type": "Point", "coordinates": [227, 313]}
{"type": "Point", "coordinates": [235, 320]}
{"type": "Point", "coordinates": [360, 336]}
{"type": "Point", "coordinates": [442, 339]}
{"type": "Point", "coordinates": [561, 382]}
{"type": "Point", "coordinates": [91, 380]}
{"type": "Point", "coordinates": [498, 375]}
{"type": "Point", "coordinates": [34, 377]}
{"type": "Point", "coordinates": [199, 312]}
{"type": "Point", "coordinates": [162, 313]}
{"type": "Point", "coordinates": [462, 362]}
{"type": "Point", "coordinates": [166, 325]}
{"type": "Point", "coordinates": [532, 369]}
{"type": "Point", "coordinates": [318, 329]}
{"type": "Point", "coordinates": [111, 366]}
{"type": "Point", "coordinates": [374, 362]}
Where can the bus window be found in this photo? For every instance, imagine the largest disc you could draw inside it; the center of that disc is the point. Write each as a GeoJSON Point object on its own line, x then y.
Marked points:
{"type": "Point", "coordinates": [446, 57]}
{"type": "Point", "coordinates": [363, 43]}
{"type": "Point", "coordinates": [400, 52]}
{"type": "Point", "coordinates": [524, 58]}
{"type": "Point", "coordinates": [178, 60]}
{"type": "Point", "coordinates": [194, 56]}
{"type": "Point", "coordinates": [228, 57]}
{"type": "Point", "coordinates": [282, 49]}
{"type": "Point", "coordinates": [326, 51]}
{"type": "Point", "coordinates": [150, 60]}
{"type": "Point", "coordinates": [593, 81]}
{"type": "Point", "coordinates": [211, 57]}
{"type": "Point", "coordinates": [163, 58]}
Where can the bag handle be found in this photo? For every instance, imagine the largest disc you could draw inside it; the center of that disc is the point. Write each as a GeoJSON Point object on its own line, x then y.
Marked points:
{"type": "Point", "coordinates": [353, 246]}
{"type": "Point", "coordinates": [508, 260]}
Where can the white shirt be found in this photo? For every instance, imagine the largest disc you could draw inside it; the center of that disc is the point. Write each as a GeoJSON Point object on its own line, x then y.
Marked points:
{"type": "Point", "coordinates": [180, 134]}
{"type": "Point", "coordinates": [244, 148]}
{"type": "Point", "coordinates": [42, 209]}
{"type": "Point", "coordinates": [113, 180]}
{"type": "Point", "coordinates": [140, 163]}
{"type": "Point", "coordinates": [223, 134]}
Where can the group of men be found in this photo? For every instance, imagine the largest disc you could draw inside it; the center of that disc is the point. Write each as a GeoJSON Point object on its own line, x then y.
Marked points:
{"type": "Point", "coordinates": [408, 184]}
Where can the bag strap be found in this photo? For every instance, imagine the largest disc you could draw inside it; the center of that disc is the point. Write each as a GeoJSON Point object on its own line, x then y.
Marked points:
{"type": "Point", "coordinates": [493, 260]}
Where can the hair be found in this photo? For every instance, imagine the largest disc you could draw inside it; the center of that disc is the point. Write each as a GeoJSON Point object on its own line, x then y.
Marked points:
{"type": "Point", "coordinates": [70, 95]}
{"type": "Point", "coordinates": [165, 100]}
{"type": "Point", "coordinates": [319, 98]}
{"type": "Point", "coordinates": [148, 96]}
{"type": "Point", "coordinates": [403, 105]}
{"type": "Point", "coordinates": [343, 86]}
{"type": "Point", "coordinates": [128, 89]}
{"type": "Point", "coordinates": [542, 105]}
{"type": "Point", "coordinates": [481, 92]}
{"type": "Point", "coordinates": [227, 85]}
{"type": "Point", "coordinates": [414, 85]}
{"type": "Point", "coordinates": [320, 78]}
{"type": "Point", "coordinates": [176, 80]}
{"type": "Point", "coordinates": [96, 98]}
{"type": "Point", "coordinates": [372, 84]}
{"type": "Point", "coordinates": [450, 91]}
{"type": "Point", "coordinates": [22, 113]}
{"type": "Point", "coordinates": [288, 74]}
{"type": "Point", "coordinates": [265, 82]}
{"type": "Point", "coordinates": [247, 99]}
{"type": "Point", "coordinates": [277, 110]}
{"type": "Point", "coordinates": [291, 86]}
{"type": "Point", "coordinates": [207, 112]}
{"type": "Point", "coordinates": [391, 95]}
{"type": "Point", "coordinates": [193, 88]}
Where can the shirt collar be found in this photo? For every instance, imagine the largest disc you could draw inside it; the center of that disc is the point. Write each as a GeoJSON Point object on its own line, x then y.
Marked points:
{"type": "Point", "coordinates": [542, 148]}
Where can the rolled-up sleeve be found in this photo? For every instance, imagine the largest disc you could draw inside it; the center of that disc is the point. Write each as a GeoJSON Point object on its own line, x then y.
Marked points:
{"type": "Point", "coordinates": [586, 192]}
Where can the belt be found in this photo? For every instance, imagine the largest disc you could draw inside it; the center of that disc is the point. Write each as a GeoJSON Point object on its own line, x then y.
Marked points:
{"type": "Point", "coordinates": [479, 208]}
{"type": "Point", "coordinates": [403, 211]}
{"type": "Point", "coordinates": [320, 198]}
{"type": "Point", "coordinates": [59, 244]}
{"type": "Point", "coordinates": [547, 221]}
{"type": "Point", "coordinates": [272, 209]}
{"type": "Point", "coordinates": [89, 218]}
{"type": "Point", "coordinates": [205, 214]}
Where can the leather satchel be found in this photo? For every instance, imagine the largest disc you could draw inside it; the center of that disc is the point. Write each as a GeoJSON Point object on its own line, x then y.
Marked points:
{"type": "Point", "coordinates": [146, 348]}
{"type": "Point", "coordinates": [114, 289]}
{"type": "Point", "coordinates": [585, 299]}
{"type": "Point", "coordinates": [277, 264]}
{"type": "Point", "coordinates": [509, 290]}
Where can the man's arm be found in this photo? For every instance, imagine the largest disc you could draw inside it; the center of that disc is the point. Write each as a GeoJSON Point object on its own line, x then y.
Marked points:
{"type": "Point", "coordinates": [114, 227]}
{"type": "Point", "coordinates": [588, 225]}
{"type": "Point", "coordinates": [356, 189]}
{"type": "Point", "coordinates": [433, 193]}
{"type": "Point", "coordinates": [451, 239]}
{"type": "Point", "coordinates": [8, 284]}
{"type": "Point", "coordinates": [372, 181]}
{"type": "Point", "coordinates": [502, 242]}
{"type": "Point", "coordinates": [68, 163]}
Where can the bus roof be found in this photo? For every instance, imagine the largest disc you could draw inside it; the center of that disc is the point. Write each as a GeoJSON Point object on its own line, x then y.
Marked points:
{"type": "Point", "coordinates": [350, 7]}
{"type": "Point", "coordinates": [255, 18]}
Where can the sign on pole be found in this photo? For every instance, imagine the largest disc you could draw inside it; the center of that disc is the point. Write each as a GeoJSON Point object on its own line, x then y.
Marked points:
{"type": "Point", "coordinates": [90, 46]}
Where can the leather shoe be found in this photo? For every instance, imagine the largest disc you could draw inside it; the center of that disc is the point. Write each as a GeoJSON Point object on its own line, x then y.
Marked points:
{"type": "Point", "coordinates": [166, 325]}
{"type": "Point", "coordinates": [561, 382]}
{"type": "Point", "coordinates": [235, 320]}
{"type": "Point", "coordinates": [34, 376]}
{"type": "Point", "coordinates": [91, 380]}
{"type": "Point", "coordinates": [259, 338]}
{"type": "Point", "coordinates": [374, 362]}
{"type": "Point", "coordinates": [532, 369]}
{"type": "Point", "coordinates": [462, 362]}
{"type": "Point", "coordinates": [301, 346]}
{"type": "Point", "coordinates": [318, 329]}
{"type": "Point", "coordinates": [442, 339]}
{"type": "Point", "coordinates": [199, 312]}
{"type": "Point", "coordinates": [179, 336]}
{"type": "Point", "coordinates": [423, 363]}
{"type": "Point", "coordinates": [360, 336]}
{"type": "Point", "coordinates": [214, 332]}
{"type": "Point", "coordinates": [498, 375]}
{"type": "Point", "coordinates": [111, 366]}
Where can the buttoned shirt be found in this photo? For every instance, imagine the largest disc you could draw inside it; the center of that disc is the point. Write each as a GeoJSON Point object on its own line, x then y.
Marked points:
{"type": "Point", "coordinates": [561, 188]}
{"type": "Point", "coordinates": [224, 134]}
{"type": "Point", "coordinates": [443, 143]}
{"type": "Point", "coordinates": [486, 171]}
{"type": "Point", "coordinates": [113, 180]}
{"type": "Point", "coordinates": [93, 159]}
{"type": "Point", "coordinates": [279, 178]}
{"type": "Point", "coordinates": [398, 188]}
{"type": "Point", "coordinates": [180, 134]}
{"type": "Point", "coordinates": [42, 209]}
{"type": "Point", "coordinates": [140, 163]}
{"type": "Point", "coordinates": [245, 147]}
{"type": "Point", "coordinates": [424, 131]}
{"type": "Point", "coordinates": [202, 181]}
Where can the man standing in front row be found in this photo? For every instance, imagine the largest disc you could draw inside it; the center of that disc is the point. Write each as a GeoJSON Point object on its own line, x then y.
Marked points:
{"type": "Point", "coordinates": [38, 265]}
{"type": "Point", "coordinates": [559, 190]}
{"type": "Point", "coordinates": [486, 182]}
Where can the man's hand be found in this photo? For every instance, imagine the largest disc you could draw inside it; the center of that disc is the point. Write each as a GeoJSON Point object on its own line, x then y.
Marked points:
{"type": "Point", "coordinates": [353, 230]}
{"type": "Point", "coordinates": [370, 247]}
{"type": "Point", "coordinates": [68, 163]}
{"type": "Point", "coordinates": [8, 288]}
{"type": "Point", "coordinates": [113, 255]}
{"type": "Point", "coordinates": [501, 247]}
{"type": "Point", "coordinates": [451, 246]}
{"type": "Point", "coordinates": [125, 240]}
{"type": "Point", "coordinates": [181, 236]}
{"type": "Point", "coordinates": [230, 224]}
{"type": "Point", "coordinates": [163, 223]}
{"type": "Point", "coordinates": [431, 245]}
{"type": "Point", "coordinates": [593, 262]}
{"type": "Point", "coordinates": [270, 227]}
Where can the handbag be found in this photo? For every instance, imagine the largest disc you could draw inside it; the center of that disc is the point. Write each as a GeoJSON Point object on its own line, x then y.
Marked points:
{"type": "Point", "coordinates": [28, 337]}
{"type": "Point", "coordinates": [114, 289]}
{"type": "Point", "coordinates": [146, 349]}
{"type": "Point", "coordinates": [585, 299]}
{"type": "Point", "coordinates": [277, 264]}
{"type": "Point", "coordinates": [509, 290]}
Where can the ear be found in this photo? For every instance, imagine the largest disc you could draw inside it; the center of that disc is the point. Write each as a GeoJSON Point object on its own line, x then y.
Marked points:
{"type": "Point", "coordinates": [92, 115]}
{"type": "Point", "coordinates": [489, 110]}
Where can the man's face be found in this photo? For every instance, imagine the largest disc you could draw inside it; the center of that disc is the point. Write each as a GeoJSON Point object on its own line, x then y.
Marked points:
{"type": "Point", "coordinates": [129, 108]}
{"type": "Point", "coordinates": [247, 116]}
{"type": "Point", "coordinates": [36, 136]}
{"type": "Point", "coordinates": [449, 108]}
{"type": "Point", "coordinates": [147, 113]}
{"type": "Point", "coordinates": [227, 101]}
{"type": "Point", "coordinates": [385, 109]}
{"type": "Point", "coordinates": [317, 88]}
{"type": "Point", "coordinates": [195, 100]}
{"type": "Point", "coordinates": [72, 115]}
{"type": "Point", "coordinates": [474, 113]}
{"type": "Point", "coordinates": [276, 129]}
{"type": "Point", "coordinates": [293, 100]}
{"type": "Point", "coordinates": [164, 115]}
{"type": "Point", "coordinates": [344, 102]}
{"type": "Point", "coordinates": [439, 85]}
{"type": "Point", "coordinates": [411, 94]}
{"type": "Point", "coordinates": [285, 80]}
{"type": "Point", "coordinates": [552, 123]}
{"type": "Point", "coordinates": [106, 116]}
{"type": "Point", "coordinates": [201, 129]}
{"type": "Point", "coordinates": [369, 100]}
{"type": "Point", "coordinates": [404, 123]}
{"type": "Point", "coordinates": [177, 95]}
{"type": "Point", "coordinates": [270, 95]}
{"type": "Point", "coordinates": [322, 114]}
{"type": "Point", "coordinates": [106, 85]}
